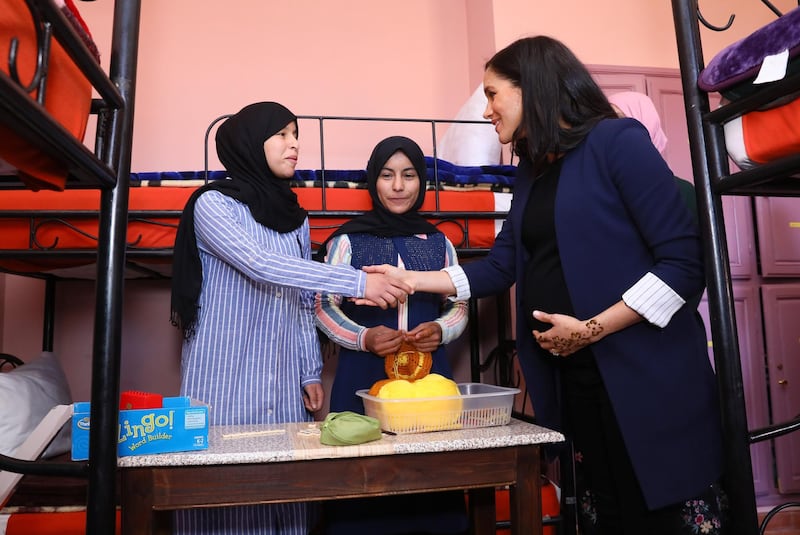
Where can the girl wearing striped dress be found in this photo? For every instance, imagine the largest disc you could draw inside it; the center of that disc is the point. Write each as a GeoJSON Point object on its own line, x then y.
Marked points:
{"type": "Point", "coordinates": [243, 295]}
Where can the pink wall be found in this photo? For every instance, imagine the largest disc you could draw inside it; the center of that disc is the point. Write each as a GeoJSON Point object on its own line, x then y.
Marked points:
{"type": "Point", "coordinates": [418, 58]}
{"type": "Point", "coordinates": [625, 32]}
{"type": "Point", "coordinates": [199, 60]}
{"type": "Point", "coordinates": [481, 32]}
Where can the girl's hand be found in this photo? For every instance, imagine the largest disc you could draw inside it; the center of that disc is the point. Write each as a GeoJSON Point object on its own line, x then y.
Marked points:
{"type": "Point", "coordinates": [426, 337]}
{"type": "Point", "coordinates": [384, 290]}
{"type": "Point", "coordinates": [313, 396]}
{"type": "Point", "coordinates": [398, 276]}
{"type": "Point", "coordinates": [383, 340]}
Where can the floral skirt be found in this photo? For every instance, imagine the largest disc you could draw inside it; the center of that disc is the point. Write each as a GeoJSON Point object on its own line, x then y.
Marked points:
{"type": "Point", "coordinates": [703, 514]}
{"type": "Point", "coordinates": [609, 498]}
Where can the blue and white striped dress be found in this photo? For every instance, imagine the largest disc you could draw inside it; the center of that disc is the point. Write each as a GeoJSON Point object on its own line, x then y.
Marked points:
{"type": "Point", "coordinates": [255, 345]}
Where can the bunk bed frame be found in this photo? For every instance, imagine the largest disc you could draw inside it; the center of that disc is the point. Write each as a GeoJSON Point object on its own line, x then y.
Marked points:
{"type": "Point", "coordinates": [713, 179]}
{"type": "Point", "coordinates": [107, 169]}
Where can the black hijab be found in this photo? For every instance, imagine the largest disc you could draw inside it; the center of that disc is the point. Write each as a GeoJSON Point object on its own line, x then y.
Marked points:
{"type": "Point", "coordinates": [379, 221]}
{"type": "Point", "coordinates": [240, 147]}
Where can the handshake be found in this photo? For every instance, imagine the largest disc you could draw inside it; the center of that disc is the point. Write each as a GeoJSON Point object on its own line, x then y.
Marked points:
{"type": "Point", "coordinates": [389, 285]}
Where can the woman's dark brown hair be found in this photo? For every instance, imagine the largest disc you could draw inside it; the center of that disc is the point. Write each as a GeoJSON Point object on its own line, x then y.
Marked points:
{"type": "Point", "coordinates": [561, 102]}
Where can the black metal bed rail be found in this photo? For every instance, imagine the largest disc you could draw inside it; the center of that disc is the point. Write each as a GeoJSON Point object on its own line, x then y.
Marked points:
{"type": "Point", "coordinates": [777, 178]}
{"type": "Point", "coordinates": [776, 430]}
{"type": "Point", "coordinates": [29, 119]}
{"type": "Point", "coordinates": [345, 118]}
{"type": "Point", "coordinates": [712, 178]}
{"type": "Point", "coordinates": [771, 514]}
{"type": "Point", "coordinates": [38, 468]}
{"type": "Point", "coordinates": [321, 119]}
{"type": "Point", "coordinates": [732, 17]}
{"type": "Point", "coordinates": [26, 114]}
{"type": "Point", "coordinates": [115, 135]}
{"type": "Point", "coordinates": [45, 12]}
{"type": "Point", "coordinates": [65, 220]}
{"type": "Point", "coordinates": [107, 169]}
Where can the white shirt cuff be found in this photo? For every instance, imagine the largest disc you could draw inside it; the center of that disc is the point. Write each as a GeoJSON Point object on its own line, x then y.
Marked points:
{"type": "Point", "coordinates": [653, 299]}
{"type": "Point", "coordinates": [460, 281]}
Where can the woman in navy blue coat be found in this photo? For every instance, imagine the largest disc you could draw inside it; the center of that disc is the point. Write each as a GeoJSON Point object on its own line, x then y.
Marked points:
{"type": "Point", "coordinates": [605, 255]}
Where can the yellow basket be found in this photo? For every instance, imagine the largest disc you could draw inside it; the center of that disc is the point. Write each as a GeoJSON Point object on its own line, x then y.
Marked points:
{"type": "Point", "coordinates": [478, 405]}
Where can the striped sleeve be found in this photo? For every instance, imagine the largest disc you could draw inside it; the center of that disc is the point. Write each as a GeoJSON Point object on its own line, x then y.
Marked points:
{"type": "Point", "coordinates": [309, 349]}
{"type": "Point", "coordinates": [653, 299]}
{"type": "Point", "coordinates": [454, 316]}
{"type": "Point", "coordinates": [230, 241]}
{"type": "Point", "coordinates": [329, 316]}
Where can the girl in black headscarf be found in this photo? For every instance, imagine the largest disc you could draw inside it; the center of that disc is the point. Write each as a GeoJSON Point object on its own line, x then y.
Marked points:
{"type": "Point", "coordinates": [243, 294]}
{"type": "Point", "coordinates": [393, 232]}
{"type": "Point", "coordinates": [269, 198]}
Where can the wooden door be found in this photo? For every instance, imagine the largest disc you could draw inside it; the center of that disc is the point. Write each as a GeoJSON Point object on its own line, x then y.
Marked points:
{"type": "Point", "coordinates": [667, 94]}
{"type": "Point", "coordinates": [616, 82]}
{"type": "Point", "coordinates": [781, 308]}
{"type": "Point", "coordinates": [740, 236]}
{"type": "Point", "coordinates": [779, 236]}
{"type": "Point", "coordinates": [751, 352]}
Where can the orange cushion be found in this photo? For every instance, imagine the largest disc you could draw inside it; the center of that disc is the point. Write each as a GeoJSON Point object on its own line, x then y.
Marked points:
{"type": "Point", "coordinates": [68, 523]}
{"type": "Point", "coordinates": [68, 98]}
{"type": "Point", "coordinates": [773, 133]}
{"type": "Point", "coordinates": [550, 507]}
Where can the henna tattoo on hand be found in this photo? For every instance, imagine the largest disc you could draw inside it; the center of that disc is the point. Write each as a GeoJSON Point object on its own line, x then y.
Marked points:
{"type": "Point", "coordinates": [595, 328]}
{"type": "Point", "coordinates": [577, 339]}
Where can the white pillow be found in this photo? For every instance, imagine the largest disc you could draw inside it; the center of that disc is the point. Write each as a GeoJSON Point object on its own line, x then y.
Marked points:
{"type": "Point", "coordinates": [471, 144]}
{"type": "Point", "coordinates": [27, 394]}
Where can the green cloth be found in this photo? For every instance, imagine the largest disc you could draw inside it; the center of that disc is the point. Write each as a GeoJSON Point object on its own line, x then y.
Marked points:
{"type": "Point", "coordinates": [347, 428]}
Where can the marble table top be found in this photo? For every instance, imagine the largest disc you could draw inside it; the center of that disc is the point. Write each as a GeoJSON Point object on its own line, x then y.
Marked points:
{"type": "Point", "coordinates": [300, 441]}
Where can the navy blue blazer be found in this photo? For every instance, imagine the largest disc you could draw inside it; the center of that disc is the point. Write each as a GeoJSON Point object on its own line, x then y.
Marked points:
{"type": "Point", "coordinates": [618, 215]}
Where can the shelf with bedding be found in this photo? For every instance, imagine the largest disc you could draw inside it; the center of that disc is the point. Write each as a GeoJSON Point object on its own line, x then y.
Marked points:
{"type": "Point", "coordinates": [45, 99]}
{"type": "Point", "coordinates": [46, 87]}
{"type": "Point", "coordinates": [711, 139]}
{"type": "Point", "coordinates": [56, 233]}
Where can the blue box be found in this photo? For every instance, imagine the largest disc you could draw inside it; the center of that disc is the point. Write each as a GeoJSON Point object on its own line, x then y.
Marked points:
{"type": "Point", "coordinates": [179, 425]}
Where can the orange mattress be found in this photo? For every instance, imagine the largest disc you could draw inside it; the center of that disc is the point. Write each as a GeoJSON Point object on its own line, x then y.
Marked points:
{"type": "Point", "coordinates": [55, 523]}
{"type": "Point", "coordinates": [68, 92]}
{"type": "Point", "coordinates": [759, 137]}
{"type": "Point", "coordinates": [41, 229]}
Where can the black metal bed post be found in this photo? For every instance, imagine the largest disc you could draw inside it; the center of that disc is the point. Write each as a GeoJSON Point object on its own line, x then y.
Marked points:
{"type": "Point", "coordinates": [474, 341]}
{"type": "Point", "coordinates": [709, 163]}
{"type": "Point", "coordinates": [101, 506]}
{"type": "Point", "coordinates": [48, 328]}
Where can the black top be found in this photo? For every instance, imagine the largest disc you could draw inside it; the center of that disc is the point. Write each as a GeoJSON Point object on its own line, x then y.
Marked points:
{"type": "Point", "coordinates": [545, 288]}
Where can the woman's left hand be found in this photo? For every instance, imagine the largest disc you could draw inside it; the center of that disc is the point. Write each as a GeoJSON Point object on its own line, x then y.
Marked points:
{"type": "Point", "coordinates": [567, 336]}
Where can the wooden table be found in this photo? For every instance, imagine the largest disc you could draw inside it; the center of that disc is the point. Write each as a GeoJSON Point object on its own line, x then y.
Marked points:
{"type": "Point", "coordinates": [288, 465]}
